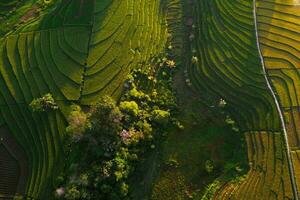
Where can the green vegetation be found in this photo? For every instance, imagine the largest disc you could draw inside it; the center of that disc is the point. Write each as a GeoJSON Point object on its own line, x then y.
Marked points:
{"type": "Point", "coordinates": [279, 46]}
{"type": "Point", "coordinates": [106, 142]}
{"type": "Point", "coordinates": [151, 99]}
{"type": "Point", "coordinates": [228, 64]}
{"type": "Point", "coordinates": [228, 67]}
{"type": "Point", "coordinates": [14, 14]}
{"type": "Point", "coordinates": [45, 103]}
{"type": "Point", "coordinates": [77, 52]}
{"type": "Point", "coordinates": [187, 178]}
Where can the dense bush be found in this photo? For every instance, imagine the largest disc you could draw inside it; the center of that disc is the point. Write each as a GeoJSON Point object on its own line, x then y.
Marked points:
{"type": "Point", "coordinates": [130, 107]}
{"type": "Point", "coordinates": [114, 136]}
{"type": "Point", "coordinates": [160, 116]}
{"type": "Point", "coordinates": [78, 122]}
{"type": "Point", "coordinates": [43, 104]}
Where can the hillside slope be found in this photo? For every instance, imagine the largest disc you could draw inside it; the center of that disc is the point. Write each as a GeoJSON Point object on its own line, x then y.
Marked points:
{"type": "Point", "coordinates": [230, 68]}
{"type": "Point", "coordinates": [78, 52]}
{"type": "Point", "coordinates": [279, 37]}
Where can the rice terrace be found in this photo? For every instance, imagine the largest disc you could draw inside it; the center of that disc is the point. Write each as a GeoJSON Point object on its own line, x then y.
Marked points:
{"type": "Point", "coordinates": [150, 99]}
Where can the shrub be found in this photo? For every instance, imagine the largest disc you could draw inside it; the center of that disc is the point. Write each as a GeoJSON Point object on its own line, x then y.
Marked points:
{"type": "Point", "coordinates": [222, 103]}
{"type": "Point", "coordinates": [229, 121]}
{"type": "Point", "coordinates": [160, 116]}
{"type": "Point", "coordinates": [146, 128]}
{"type": "Point", "coordinates": [129, 107]}
{"type": "Point", "coordinates": [171, 63]}
{"type": "Point", "coordinates": [72, 193]}
{"type": "Point", "coordinates": [59, 192]}
{"type": "Point", "coordinates": [18, 197]}
{"type": "Point", "coordinates": [124, 189]}
{"type": "Point", "coordinates": [172, 163]}
{"type": "Point", "coordinates": [209, 166]}
{"type": "Point", "coordinates": [136, 94]}
{"type": "Point", "coordinates": [43, 104]}
{"type": "Point", "coordinates": [131, 137]}
{"type": "Point", "coordinates": [105, 116]}
{"type": "Point", "coordinates": [125, 136]}
{"type": "Point", "coordinates": [78, 121]}
{"type": "Point", "coordinates": [121, 168]}
{"type": "Point", "coordinates": [84, 179]}
{"type": "Point", "coordinates": [195, 60]}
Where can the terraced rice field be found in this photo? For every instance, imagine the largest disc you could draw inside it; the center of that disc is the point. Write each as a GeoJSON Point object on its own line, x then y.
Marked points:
{"type": "Point", "coordinates": [7, 5]}
{"type": "Point", "coordinates": [84, 49]}
{"type": "Point", "coordinates": [229, 67]}
{"type": "Point", "coordinates": [269, 176]}
{"type": "Point", "coordinates": [279, 36]}
{"type": "Point", "coordinates": [13, 165]}
{"type": "Point", "coordinates": [79, 52]}
{"type": "Point", "coordinates": [229, 62]}
{"type": "Point", "coordinates": [8, 172]}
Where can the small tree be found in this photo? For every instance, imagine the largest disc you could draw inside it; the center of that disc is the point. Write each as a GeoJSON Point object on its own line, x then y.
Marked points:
{"type": "Point", "coordinates": [106, 116]}
{"type": "Point", "coordinates": [72, 193]}
{"type": "Point", "coordinates": [43, 104]}
{"type": "Point", "coordinates": [78, 121]}
{"type": "Point", "coordinates": [209, 166]}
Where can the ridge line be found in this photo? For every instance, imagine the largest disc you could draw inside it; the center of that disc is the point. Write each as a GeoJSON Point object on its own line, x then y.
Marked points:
{"type": "Point", "coordinates": [87, 55]}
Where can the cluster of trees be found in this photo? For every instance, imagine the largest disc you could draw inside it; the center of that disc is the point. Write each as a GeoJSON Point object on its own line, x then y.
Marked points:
{"type": "Point", "coordinates": [106, 141]}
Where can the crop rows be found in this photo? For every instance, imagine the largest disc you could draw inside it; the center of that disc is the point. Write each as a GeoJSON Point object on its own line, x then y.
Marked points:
{"type": "Point", "coordinates": [268, 177]}
{"type": "Point", "coordinates": [13, 165]}
{"type": "Point", "coordinates": [78, 53]}
{"type": "Point", "coordinates": [229, 65]}
{"type": "Point", "coordinates": [12, 172]}
{"type": "Point", "coordinates": [131, 33]}
{"type": "Point", "coordinates": [279, 37]}
{"type": "Point", "coordinates": [7, 5]}
{"type": "Point", "coordinates": [226, 191]}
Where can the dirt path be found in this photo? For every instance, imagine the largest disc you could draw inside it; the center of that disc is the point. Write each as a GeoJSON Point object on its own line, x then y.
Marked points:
{"type": "Point", "coordinates": [30, 14]}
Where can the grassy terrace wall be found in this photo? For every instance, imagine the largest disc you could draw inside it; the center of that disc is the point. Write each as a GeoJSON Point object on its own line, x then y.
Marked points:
{"type": "Point", "coordinates": [279, 36]}
{"type": "Point", "coordinates": [78, 52]}
{"type": "Point", "coordinates": [229, 67]}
